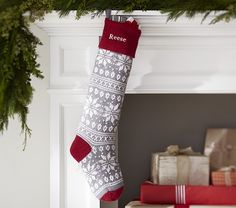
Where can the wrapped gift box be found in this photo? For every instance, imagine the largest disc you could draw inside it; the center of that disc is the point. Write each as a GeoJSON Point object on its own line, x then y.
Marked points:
{"type": "Point", "coordinates": [139, 204]}
{"type": "Point", "coordinates": [179, 166]}
{"type": "Point", "coordinates": [195, 195]}
{"type": "Point", "coordinates": [225, 176]}
{"type": "Point", "coordinates": [220, 146]}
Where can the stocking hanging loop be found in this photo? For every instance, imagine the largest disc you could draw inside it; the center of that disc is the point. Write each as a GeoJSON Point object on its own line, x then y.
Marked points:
{"type": "Point", "coordinates": [115, 17]}
{"type": "Point", "coordinates": [108, 13]}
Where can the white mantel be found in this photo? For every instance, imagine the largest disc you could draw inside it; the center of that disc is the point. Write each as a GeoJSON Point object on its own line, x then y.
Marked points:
{"type": "Point", "coordinates": [176, 57]}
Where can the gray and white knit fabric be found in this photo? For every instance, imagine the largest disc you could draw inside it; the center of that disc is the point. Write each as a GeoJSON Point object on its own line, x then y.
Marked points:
{"type": "Point", "coordinates": [100, 119]}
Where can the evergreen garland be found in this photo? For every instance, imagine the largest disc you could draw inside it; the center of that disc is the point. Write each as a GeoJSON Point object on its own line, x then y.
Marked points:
{"type": "Point", "coordinates": [174, 8]}
{"type": "Point", "coordinates": [18, 59]}
{"type": "Point", "coordinates": [18, 45]}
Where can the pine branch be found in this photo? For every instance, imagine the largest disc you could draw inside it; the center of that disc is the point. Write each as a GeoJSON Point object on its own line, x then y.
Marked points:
{"type": "Point", "coordinates": [18, 60]}
{"type": "Point", "coordinates": [174, 8]}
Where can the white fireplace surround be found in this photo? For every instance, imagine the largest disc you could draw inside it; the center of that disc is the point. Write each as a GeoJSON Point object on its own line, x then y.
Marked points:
{"type": "Point", "coordinates": [175, 57]}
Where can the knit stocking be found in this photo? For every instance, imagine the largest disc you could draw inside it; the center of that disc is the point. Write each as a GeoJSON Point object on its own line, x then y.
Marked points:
{"type": "Point", "coordinates": [95, 142]}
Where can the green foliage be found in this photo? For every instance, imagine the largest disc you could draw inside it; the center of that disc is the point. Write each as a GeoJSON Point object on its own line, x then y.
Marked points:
{"type": "Point", "coordinates": [18, 45]}
{"type": "Point", "coordinates": [18, 59]}
{"type": "Point", "coordinates": [174, 8]}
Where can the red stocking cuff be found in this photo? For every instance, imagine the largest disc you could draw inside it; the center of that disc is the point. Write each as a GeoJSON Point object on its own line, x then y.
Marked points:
{"type": "Point", "coordinates": [120, 37]}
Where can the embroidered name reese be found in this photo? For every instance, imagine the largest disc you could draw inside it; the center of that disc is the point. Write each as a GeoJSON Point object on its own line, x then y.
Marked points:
{"type": "Point", "coordinates": [113, 37]}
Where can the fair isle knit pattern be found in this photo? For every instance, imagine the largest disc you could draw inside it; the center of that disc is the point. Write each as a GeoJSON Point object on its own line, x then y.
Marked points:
{"type": "Point", "coordinates": [100, 119]}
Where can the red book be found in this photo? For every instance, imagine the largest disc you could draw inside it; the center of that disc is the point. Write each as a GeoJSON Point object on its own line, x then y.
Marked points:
{"type": "Point", "coordinates": [181, 194]}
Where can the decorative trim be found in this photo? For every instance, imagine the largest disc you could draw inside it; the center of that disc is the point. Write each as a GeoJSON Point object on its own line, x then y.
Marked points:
{"type": "Point", "coordinates": [197, 44]}
{"type": "Point", "coordinates": [58, 154]}
{"type": "Point", "coordinates": [153, 24]}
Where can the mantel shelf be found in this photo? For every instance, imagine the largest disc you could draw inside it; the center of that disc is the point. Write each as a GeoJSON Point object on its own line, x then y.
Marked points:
{"type": "Point", "coordinates": [153, 23]}
{"type": "Point", "coordinates": [182, 56]}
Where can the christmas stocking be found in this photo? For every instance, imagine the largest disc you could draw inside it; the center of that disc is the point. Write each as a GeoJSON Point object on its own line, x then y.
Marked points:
{"type": "Point", "coordinates": [95, 143]}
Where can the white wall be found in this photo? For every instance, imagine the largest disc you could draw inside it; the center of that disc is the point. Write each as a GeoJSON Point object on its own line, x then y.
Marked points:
{"type": "Point", "coordinates": [24, 176]}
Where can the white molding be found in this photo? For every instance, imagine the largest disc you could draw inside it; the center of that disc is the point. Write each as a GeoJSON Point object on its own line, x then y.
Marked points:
{"type": "Point", "coordinates": [79, 38]}
{"type": "Point", "coordinates": [59, 92]}
{"type": "Point", "coordinates": [55, 177]}
{"type": "Point", "coordinates": [63, 168]}
{"type": "Point", "coordinates": [153, 23]}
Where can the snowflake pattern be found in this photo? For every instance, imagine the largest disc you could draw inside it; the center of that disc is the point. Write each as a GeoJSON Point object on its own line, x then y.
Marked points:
{"type": "Point", "coordinates": [100, 118]}
{"type": "Point", "coordinates": [112, 112]}
{"type": "Point", "coordinates": [108, 162]}
{"type": "Point", "coordinates": [103, 59]}
{"type": "Point", "coordinates": [91, 170]}
{"type": "Point", "coordinates": [124, 63]}
{"type": "Point", "coordinates": [91, 107]}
